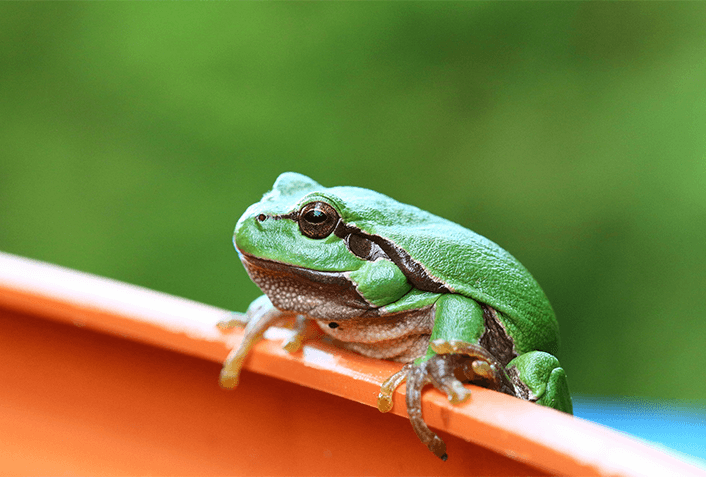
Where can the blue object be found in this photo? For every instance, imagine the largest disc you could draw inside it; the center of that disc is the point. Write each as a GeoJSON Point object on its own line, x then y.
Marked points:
{"type": "Point", "coordinates": [673, 425]}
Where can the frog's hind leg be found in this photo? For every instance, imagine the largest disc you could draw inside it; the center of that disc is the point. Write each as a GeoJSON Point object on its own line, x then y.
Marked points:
{"type": "Point", "coordinates": [538, 377]}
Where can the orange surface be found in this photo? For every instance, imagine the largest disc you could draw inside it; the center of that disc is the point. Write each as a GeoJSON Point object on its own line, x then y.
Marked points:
{"type": "Point", "coordinates": [100, 377]}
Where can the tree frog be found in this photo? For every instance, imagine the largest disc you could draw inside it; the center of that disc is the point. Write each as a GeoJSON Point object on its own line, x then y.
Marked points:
{"type": "Point", "coordinates": [391, 281]}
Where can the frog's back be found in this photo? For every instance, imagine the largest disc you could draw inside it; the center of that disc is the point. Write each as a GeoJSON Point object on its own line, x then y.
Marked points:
{"type": "Point", "coordinates": [468, 264]}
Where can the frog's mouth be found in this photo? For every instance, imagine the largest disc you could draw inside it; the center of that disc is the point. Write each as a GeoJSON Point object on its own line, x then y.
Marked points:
{"type": "Point", "coordinates": [318, 294]}
{"type": "Point", "coordinates": [279, 268]}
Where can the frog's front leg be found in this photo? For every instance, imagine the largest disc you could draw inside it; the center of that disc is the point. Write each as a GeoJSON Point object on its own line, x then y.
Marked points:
{"type": "Point", "coordinates": [261, 314]}
{"type": "Point", "coordinates": [444, 371]}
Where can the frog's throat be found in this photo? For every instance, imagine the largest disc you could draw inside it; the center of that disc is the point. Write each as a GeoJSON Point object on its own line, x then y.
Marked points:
{"type": "Point", "coordinates": [275, 267]}
{"type": "Point", "coordinates": [300, 289]}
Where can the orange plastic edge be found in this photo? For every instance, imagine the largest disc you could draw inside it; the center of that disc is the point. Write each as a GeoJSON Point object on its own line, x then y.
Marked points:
{"type": "Point", "coordinates": [542, 438]}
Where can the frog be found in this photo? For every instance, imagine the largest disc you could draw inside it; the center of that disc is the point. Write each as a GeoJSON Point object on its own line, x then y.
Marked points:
{"type": "Point", "coordinates": [391, 281]}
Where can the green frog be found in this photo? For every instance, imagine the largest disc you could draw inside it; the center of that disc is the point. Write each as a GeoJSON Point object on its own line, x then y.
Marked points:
{"type": "Point", "coordinates": [391, 281]}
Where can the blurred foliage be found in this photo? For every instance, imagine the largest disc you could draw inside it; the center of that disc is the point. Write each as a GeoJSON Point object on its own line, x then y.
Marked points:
{"type": "Point", "coordinates": [133, 135]}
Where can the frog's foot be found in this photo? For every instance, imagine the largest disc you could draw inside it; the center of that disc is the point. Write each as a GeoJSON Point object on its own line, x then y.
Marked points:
{"type": "Point", "coordinates": [455, 361]}
{"type": "Point", "coordinates": [260, 317]}
{"type": "Point", "coordinates": [439, 370]}
{"type": "Point", "coordinates": [480, 366]}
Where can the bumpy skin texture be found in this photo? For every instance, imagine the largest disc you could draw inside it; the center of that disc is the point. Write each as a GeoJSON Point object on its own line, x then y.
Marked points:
{"type": "Point", "coordinates": [392, 281]}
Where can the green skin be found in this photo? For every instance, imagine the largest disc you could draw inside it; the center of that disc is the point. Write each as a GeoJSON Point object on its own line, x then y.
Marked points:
{"type": "Point", "coordinates": [391, 281]}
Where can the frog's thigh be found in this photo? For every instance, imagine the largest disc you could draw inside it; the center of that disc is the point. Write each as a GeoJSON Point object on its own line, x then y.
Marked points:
{"type": "Point", "coordinates": [538, 375]}
{"type": "Point", "coordinates": [457, 317]}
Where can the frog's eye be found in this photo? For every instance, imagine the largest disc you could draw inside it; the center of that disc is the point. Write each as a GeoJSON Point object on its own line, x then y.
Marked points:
{"type": "Point", "coordinates": [317, 220]}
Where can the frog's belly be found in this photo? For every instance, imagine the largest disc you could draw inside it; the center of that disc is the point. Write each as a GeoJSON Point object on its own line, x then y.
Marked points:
{"type": "Point", "coordinates": [400, 337]}
{"type": "Point", "coordinates": [403, 350]}
{"type": "Point", "coordinates": [332, 300]}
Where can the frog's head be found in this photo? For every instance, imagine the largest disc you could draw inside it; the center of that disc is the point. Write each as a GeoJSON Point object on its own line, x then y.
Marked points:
{"type": "Point", "coordinates": [327, 252]}
{"type": "Point", "coordinates": [299, 222]}
{"type": "Point", "coordinates": [304, 246]}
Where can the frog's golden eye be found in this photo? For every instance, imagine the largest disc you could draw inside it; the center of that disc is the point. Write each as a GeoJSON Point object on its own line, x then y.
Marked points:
{"type": "Point", "coordinates": [317, 220]}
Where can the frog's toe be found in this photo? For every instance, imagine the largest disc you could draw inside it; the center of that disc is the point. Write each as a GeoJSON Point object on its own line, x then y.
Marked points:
{"type": "Point", "coordinates": [454, 389]}
{"type": "Point", "coordinates": [441, 346]}
{"type": "Point", "coordinates": [444, 371]}
{"type": "Point", "coordinates": [229, 381]}
{"type": "Point", "coordinates": [230, 373]}
{"type": "Point", "coordinates": [417, 378]}
{"type": "Point", "coordinates": [484, 369]}
{"type": "Point", "coordinates": [388, 387]}
{"type": "Point", "coordinates": [294, 342]}
{"type": "Point", "coordinates": [233, 320]}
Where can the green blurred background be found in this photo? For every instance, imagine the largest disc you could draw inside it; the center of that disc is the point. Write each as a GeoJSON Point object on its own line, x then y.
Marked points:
{"type": "Point", "coordinates": [133, 135]}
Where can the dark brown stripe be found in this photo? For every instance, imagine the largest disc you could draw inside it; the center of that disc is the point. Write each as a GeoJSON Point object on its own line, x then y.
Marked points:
{"type": "Point", "coordinates": [413, 270]}
{"type": "Point", "coordinates": [495, 338]}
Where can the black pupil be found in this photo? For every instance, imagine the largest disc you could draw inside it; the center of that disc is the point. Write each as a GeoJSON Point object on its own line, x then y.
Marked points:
{"type": "Point", "coordinates": [316, 216]}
